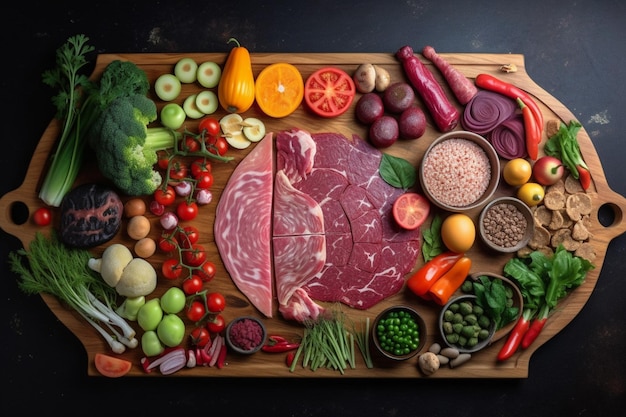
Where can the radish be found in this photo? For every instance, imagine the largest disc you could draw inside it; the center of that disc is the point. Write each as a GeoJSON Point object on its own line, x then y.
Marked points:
{"type": "Point", "coordinates": [461, 86]}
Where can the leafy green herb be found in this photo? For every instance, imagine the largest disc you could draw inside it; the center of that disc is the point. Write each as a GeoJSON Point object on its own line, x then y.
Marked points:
{"type": "Point", "coordinates": [493, 296]}
{"type": "Point", "coordinates": [397, 172]}
{"type": "Point", "coordinates": [432, 244]}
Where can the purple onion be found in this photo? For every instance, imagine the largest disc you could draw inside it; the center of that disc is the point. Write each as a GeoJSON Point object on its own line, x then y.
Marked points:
{"type": "Point", "coordinates": [486, 110]}
{"type": "Point", "coordinates": [508, 138]}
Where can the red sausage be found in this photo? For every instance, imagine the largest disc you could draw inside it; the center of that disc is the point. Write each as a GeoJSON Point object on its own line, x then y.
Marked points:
{"type": "Point", "coordinates": [461, 86]}
{"type": "Point", "coordinates": [446, 116]}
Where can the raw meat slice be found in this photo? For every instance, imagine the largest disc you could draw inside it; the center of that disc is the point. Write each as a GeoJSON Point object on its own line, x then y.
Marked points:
{"type": "Point", "coordinates": [295, 213]}
{"type": "Point", "coordinates": [295, 151]}
{"type": "Point", "coordinates": [249, 191]}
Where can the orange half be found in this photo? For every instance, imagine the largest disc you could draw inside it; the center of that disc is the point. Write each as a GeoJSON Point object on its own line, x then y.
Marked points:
{"type": "Point", "coordinates": [279, 89]}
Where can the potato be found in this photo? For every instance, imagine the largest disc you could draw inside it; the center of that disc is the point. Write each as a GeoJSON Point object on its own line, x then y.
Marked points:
{"type": "Point", "coordinates": [382, 79]}
{"type": "Point", "coordinates": [365, 78]}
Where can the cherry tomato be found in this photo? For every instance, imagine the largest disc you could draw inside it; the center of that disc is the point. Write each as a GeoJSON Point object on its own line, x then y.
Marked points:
{"type": "Point", "coordinates": [217, 144]}
{"type": "Point", "coordinates": [329, 92]}
{"type": "Point", "coordinates": [204, 181]}
{"type": "Point", "coordinates": [210, 125]}
{"type": "Point", "coordinates": [165, 196]}
{"type": "Point", "coordinates": [200, 337]}
{"type": "Point", "coordinates": [215, 302]}
{"type": "Point", "coordinates": [195, 256]}
{"type": "Point", "coordinates": [207, 271]}
{"type": "Point", "coordinates": [178, 170]}
{"type": "Point", "coordinates": [167, 243]}
{"type": "Point", "coordinates": [172, 268]}
{"type": "Point", "coordinates": [189, 144]}
{"type": "Point", "coordinates": [217, 324]}
{"type": "Point", "coordinates": [192, 285]}
{"type": "Point", "coordinates": [195, 312]}
{"type": "Point", "coordinates": [187, 210]}
{"type": "Point", "coordinates": [42, 216]}
{"type": "Point", "coordinates": [164, 159]}
{"type": "Point", "coordinates": [188, 236]}
{"type": "Point", "coordinates": [199, 166]}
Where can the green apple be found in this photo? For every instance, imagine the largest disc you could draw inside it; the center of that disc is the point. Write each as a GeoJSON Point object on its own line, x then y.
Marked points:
{"type": "Point", "coordinates": [173, 300]}
{"type": "Point", "coordinates": [150, 344]}
{"type": "Point", "coordinates": [171, 330]}
{"type": "Point", "coordinates": [150, 314]}
{"type": "Point", "coordinates": [173, 116]}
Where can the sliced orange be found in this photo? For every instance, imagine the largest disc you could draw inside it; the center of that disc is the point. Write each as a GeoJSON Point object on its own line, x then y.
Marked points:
{"type": "Point", "coordinates": [279, 89]}
{"type": "Point", "coordinates": [410, 210]}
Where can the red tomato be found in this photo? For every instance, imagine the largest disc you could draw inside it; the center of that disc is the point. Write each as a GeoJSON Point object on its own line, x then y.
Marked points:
{"type": "Point", "coordinates": [200, 337]}
{"type": "Point", "coordinates": [187, 210]}
{"type": "Point", "coordinates": [329, 92]}
{"type": "Point", "coordinates": [195, 256]}
{"type": "Point", "coordinates": [207, 271]}
{"type": "Point", "coordinates": [199, 166]}
{"type": "Point", "coordinates": [178, 170]}
{"type": "Point", "coordinates": [42, 216]}
{"type": "Point", "coordinates": [192, 285]}
{"type": "Point", "coordinates": [172, 268]}
{"type": "Point", "coordinates": [111, 366]}
{"type": "Point", "coordinates": [188, 236]}
{"type": "Point", "coordinates": [215, 302]}
{"type": "Point", "coordinates": [189, 144]}
{"type": "Point", "coordinates": [211, 126]}
{"type": "Point", "coordinates": [195, 311]}
{"type": "Point", "coordinates": [165, 196]}
{"type": "Point", "coordinates": [410, 210]}
{"type": "Point", "coordinates": [204, 181]}
{"type": "Point", "coordinates": [167, 243]}
{"type": "Point", "coordinates": [164, 159]}
{"type": "Point", "coordinates": [217, 144]}
{"type": "Point", "coordinates": [217, 324]}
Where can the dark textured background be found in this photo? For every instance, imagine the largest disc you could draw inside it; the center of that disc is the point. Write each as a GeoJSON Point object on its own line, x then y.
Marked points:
{"type": "Point", "coordinates": [573, 49]}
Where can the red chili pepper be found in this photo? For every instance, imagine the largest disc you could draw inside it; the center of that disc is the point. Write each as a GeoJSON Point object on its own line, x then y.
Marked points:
{"type": "Point", "coordinates": [280, 347]}
{"type": "Point", "coordinates": [533, 331]}
{"type": "Point", "coordinates": [289, 359]}
{"type": "Point", "coordinates": [221, 358]}
{"type": "Point", "coordinates": [584, 176]}
{"type": "Point", "coordinates": [489, 82]}
{"type": "Point", "coordinates": [421, 281]}
{"type": "Point", "coordinates": [515, 337]}
{"type": "Point", "coordinates": [533, 134]}
{"type": "Point", "coordinates": [445, 286]}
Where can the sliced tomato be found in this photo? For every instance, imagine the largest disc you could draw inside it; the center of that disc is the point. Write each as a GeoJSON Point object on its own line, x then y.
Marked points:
{"type": "Point", "coordinates": [410, 210]}
{"type": "Point", "coordinates": [111, 366]}
{"type": "Point", "coordinates": [329, 92]}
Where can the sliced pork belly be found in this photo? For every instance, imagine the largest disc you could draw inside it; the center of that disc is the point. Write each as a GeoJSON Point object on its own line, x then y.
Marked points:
{"type": "Point", "coordinates": [243, 225]}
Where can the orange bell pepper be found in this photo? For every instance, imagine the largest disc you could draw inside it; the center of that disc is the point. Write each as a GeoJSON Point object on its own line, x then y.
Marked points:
{"type": "Point", "coordinates": [445, 286]}
{"type": "Point", "coordinates": [421, 281]}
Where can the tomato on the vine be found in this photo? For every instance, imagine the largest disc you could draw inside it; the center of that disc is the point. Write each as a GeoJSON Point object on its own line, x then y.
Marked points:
{"type": "Point", "coordinates": [192, 285]}
{"type": "Point", "coordinates": [189, 144]}
{"type": "Point", "coordinates": [172, 268]}
{"type": "Point", "coordinates": [210, 125]}
{"type": "Point", "coordinates": [194, 256]}
{"type": "Point", "coordinates": [165, 196]}
{"type": "Point", "coordinates": [216, 324]}
{"type": "Point", "coordinates": [217, 145]}
{"type": "Point", "coordinates": [188, 236]}
{"type": "Point", "coordinates": [200, 337]}
{"type": "Point", "coordinates": [204, 181]}
{"type": "Point", "coordinates": [42, 216]}
{"type": "Point", "coordinates": [187, 210]}
{"type": "Point", "coordinates": [207, 271]}
{"type": "Point", "coordinates": [196, 311]}
{"type": "Point", "coordinates": [178, 170]}
{"type": "Point", "coordinates": [167, 243]}
{"type": "Point", "coordinates": [215, 302]}
{"type": "Point", "coordinates": [164, 159]}
{"type": "Point", "coordinates": [199, 166]}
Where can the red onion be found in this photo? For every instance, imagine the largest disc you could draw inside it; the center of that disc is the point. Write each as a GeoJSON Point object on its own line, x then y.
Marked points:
{"type": "Point", "coordinates": [486, 110]}
{"type": "Point", "coordinates": [508, 138]}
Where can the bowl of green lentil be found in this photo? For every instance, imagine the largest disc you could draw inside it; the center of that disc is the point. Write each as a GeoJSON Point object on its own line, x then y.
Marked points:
{"type": "Point", "coordinates": [464, 326]}
{"type": "Point", "coordinates": [399, 333]}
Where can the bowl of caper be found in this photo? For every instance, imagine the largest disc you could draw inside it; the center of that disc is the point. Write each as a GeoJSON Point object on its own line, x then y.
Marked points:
{"type": "Point", "coordinates": [464, 325]}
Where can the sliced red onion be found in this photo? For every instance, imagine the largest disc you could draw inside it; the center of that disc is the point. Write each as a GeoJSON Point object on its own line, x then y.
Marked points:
{"type": "Point", "coordinates": [508, 138]}
{"type": "Point", "coordinates": [486, 110]}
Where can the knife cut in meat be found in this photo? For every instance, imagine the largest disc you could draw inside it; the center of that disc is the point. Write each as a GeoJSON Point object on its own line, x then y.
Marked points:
{"type": "Point", "coordinates": [243, 225]}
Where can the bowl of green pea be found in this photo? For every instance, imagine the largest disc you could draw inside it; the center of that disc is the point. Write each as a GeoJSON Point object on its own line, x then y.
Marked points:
{"type": "Point", "coordinates": [399, 333]}
{"type": "Point", "coordinates": [464, 325]}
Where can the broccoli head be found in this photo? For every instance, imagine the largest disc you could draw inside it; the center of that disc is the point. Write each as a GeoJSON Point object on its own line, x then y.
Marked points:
{"type": "Point", "coordinates": [126, 147]}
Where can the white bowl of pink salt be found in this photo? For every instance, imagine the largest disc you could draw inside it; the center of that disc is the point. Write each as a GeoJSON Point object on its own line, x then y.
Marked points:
{"type": "Point", "coordinates": [245, 335]}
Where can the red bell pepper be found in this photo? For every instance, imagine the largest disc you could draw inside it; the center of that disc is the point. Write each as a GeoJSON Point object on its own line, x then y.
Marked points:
{"type": "Point", "coordinates": [421, 281]}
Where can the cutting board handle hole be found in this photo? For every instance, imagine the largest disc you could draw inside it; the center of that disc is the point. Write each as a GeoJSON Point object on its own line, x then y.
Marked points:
{"type": "Point", "coordinates": [19, 213]}
{"type": "Point", "coordinates": [610, 215]}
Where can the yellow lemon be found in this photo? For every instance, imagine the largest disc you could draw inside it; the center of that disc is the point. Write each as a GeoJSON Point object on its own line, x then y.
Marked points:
{"type": "Point", "coordinates": [517, 172]}
{"type": "Point", "coordinates": [458, 232]}
{"type": "Point", "coordinates": [531, 193]}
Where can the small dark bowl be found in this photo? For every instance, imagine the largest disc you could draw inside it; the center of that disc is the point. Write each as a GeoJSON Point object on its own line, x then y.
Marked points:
{"type": "Point", "coordinates": [462, 349]}
{"type": "Point", "coordinates": [231, 341]}
{"type": "Point", "coordinates": [523, 209]}
{"type": "Point", "coordinates": [421, 326]}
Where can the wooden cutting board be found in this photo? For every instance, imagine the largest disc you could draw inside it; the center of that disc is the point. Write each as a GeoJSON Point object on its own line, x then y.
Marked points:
{"type": "Point", "coordinates": [482, 365]}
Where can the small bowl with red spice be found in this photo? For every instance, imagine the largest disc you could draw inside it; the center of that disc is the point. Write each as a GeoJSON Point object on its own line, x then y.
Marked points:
{"type": "Point", "coordinates": [245, 335]}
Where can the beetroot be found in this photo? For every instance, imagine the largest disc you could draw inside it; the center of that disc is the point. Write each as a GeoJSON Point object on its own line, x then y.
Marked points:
{"type": "Point", "coordinates": [384, 132]}
{"type": "Point", "coordinates": [398, 97]}
{"type": "Point", "coordinates": [369, 108]}
{"type": "Point", "coordinates": [412, 123]}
